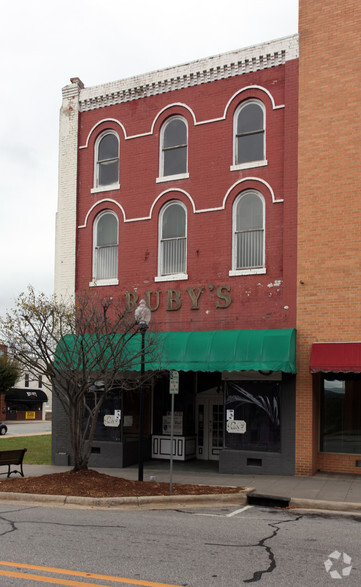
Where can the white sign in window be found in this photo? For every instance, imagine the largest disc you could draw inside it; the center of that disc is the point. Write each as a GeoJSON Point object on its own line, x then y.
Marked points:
{"type": "Point", "coordinates": [236, 426]}
{"type": "Point", "coordinates": [111, 420]}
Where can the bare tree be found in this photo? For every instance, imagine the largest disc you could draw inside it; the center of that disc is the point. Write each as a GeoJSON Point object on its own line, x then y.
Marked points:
{"type": "Point", "coordinates": [84, 348]}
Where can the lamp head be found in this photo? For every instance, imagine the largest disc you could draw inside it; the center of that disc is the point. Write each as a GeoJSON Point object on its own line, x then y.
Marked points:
{"type": "Point", "coordinates": [142, 314]}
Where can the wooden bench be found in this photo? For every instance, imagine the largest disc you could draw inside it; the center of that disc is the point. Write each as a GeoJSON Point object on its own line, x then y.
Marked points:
{"type": "Point", "coordinates": [12, 457]}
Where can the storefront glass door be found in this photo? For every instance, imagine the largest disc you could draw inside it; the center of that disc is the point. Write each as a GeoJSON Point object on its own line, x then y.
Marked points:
{"type": "Point", "coordinates": [209, 425]}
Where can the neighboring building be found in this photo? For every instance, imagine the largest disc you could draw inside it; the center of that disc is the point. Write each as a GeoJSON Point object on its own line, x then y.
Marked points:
{"type": "Point", "coordinates": [29, 399]}
{"type": "Point", "coordinates": [328, 428]}
{"type": "Point", "coordinates": [26, 400]}
{"type": "Point", "coordinates": [179, 187]}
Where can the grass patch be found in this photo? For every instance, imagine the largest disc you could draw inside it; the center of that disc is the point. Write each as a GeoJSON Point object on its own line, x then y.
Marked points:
{"type": "Point", "coordinates": [39, 448]}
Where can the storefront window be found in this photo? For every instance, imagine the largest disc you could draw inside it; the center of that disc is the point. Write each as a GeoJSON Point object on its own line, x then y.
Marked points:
{"type": "Point", "coordinates": [255, 405]}
{"type": "Point", "coordinates": [340, 429]}
{"type": "Point", "coordinates": [110, 407]}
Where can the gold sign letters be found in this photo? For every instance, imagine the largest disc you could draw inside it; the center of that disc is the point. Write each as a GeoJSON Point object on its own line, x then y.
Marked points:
{"type": "Point", "coordinates": [174, 298]}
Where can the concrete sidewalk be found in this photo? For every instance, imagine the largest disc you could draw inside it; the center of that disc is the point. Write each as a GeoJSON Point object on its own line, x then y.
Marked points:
{"type": "Point", "coordinates": [322, 491]}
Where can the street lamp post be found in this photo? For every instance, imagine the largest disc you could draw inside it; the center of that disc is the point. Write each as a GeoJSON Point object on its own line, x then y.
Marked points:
{"type": "Point", "coordinates": [142, 317]}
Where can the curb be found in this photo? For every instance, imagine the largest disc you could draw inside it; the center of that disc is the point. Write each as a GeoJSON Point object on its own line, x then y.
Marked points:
{"type": "Point", "coordinates": [320, 504]}
{"type": "Point", "coordinates": [150, 502]}
{"type": "Point", "coordinates": [173, 501]}
{"type": "Point", "coordinates": [261, 499]}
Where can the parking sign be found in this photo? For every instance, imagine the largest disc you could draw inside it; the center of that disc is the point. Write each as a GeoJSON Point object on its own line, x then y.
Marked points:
{"type": "Point", "coordinates": [173, 382]}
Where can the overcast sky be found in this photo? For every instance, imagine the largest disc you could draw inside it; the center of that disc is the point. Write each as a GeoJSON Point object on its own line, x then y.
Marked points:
{"type": "Point", "coordinates": [42, 45]}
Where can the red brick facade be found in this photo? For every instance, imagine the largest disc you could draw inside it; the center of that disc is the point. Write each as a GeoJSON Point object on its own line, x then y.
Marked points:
{"type": "Point", "coordinates": [210, 298]}
{"type": "Point", "coordinates": [211, 291]}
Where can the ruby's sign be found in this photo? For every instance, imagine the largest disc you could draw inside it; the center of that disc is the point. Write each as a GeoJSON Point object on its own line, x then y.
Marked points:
{"type": "Point", "coordinates": [174, 298]}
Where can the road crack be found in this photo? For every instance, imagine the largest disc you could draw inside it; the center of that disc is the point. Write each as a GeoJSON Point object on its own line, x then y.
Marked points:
{"type": "Point", "coordinates": [257, 575]}
{"type": "Point", "coordinates": [10, 523]}
{"type": "Point", "coordinates": [15, 525]}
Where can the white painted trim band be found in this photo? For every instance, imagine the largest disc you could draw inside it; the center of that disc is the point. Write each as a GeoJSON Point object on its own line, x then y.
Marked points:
{"type": "Point", "coordinates": [188, 196]}
{"type": "Point", "coordinates": [231, 64]}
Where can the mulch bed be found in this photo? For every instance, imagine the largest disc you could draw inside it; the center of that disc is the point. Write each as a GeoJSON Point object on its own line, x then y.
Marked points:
{"type": "Point", "coordinates": [89, 483]}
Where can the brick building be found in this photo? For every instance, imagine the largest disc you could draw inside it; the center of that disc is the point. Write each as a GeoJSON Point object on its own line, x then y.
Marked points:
{"type": "Point", "coordinates": [329, 206]}
{"type": "Point", "coordinates": [179, 187]}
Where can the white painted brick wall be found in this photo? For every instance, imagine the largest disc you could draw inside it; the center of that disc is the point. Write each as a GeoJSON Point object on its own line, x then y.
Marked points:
{"type": "Point", "coordinates": [65, 237]}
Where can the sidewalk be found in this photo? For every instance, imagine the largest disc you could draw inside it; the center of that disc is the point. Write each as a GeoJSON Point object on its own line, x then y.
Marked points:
{"type": "Point", "coordinates": [322, 491]}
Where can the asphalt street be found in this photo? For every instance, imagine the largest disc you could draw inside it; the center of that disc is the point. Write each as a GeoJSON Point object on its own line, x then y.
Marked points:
{"type": "Point", "coordinates": [30, 428]}
{"type": "Point", "coordinates": [225, 547]}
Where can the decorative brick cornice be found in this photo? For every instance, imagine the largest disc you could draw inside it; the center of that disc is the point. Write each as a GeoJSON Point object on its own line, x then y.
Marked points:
{"type": "Point", "coordinates": [195, 73]}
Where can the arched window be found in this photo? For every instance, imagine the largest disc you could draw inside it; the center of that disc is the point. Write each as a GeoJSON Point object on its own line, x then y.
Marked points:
{"type": "Point", "coordinates": [248, 231]}
{"type": "Point", "coordinates": [105, 247]}
{"type": "Point", "coordinates": [249, 133]}
{"type": "Point", "coordinates": [174, 147]}
{"type": "Point", "coordinates": [107, 160]}
{"type": "Point", "coordinates": [172, 257]}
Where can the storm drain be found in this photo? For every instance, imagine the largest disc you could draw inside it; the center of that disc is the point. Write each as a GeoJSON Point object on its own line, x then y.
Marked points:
{"type": "Point", "coordinates": [268, 500]}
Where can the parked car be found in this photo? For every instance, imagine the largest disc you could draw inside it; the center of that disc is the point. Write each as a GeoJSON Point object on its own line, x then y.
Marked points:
{"type": "Point", "coordinates": [3, 429]}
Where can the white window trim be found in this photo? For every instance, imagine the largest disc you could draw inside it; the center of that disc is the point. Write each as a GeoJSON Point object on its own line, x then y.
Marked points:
{"type": "Point", "coordinates": [171, 276]}
{"type": "Point", "coordinates": [172, 177]}
{"type": "Point", "coordinates": [96, 187]}
{"type": "Point", "coordinates": [247, 270]}
{"type": "Point", "coordinates": [112, 280]}
{"type": "Point", "coordinates": [106, 188]}
{"type": "Point", "coordinates": [161, 151]}
{"type": "Point", "coordinates": [249, 165]}
{"type": "Point", "coordinates": [256, 271]}
{"type": "Point", "coordinates": [235, 166]}
{"type": "Point", "coordinates": [101, 282]}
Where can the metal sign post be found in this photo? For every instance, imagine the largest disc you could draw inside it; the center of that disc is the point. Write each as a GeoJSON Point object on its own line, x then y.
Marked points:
{"type": "Point", "coordinates": [173, 389]}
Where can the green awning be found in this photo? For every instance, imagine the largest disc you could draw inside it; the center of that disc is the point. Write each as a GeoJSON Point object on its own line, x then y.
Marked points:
{"type": "Point", "coordinates": [220, 350]}
{"type": "Point", "coordinates": [229, 350]}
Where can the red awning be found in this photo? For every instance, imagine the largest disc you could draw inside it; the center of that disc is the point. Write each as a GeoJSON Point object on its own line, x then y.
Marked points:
{"type": "Point", "coordinates": [337, 357]}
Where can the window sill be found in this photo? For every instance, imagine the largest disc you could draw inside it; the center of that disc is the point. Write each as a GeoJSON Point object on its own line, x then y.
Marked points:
{"type": "Point", "coordinates": [105, 188]}
{"type": "Point", "coordinates": [172, 177]}
{"type": "Point", "coordinates": [101, 282]}
{"type": "Point", "coordinates": [173, 277]}
{"type": "Point", "coordinates": [249, 165]}
{"type": "Point", "coordinates": [255, 271]}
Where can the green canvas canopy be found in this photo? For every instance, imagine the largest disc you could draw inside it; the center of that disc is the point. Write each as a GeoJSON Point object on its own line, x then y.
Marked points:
{"type": "Point", "coordinates": [221, 350]}
{"type": "Point", "coordinates": [230, 350]}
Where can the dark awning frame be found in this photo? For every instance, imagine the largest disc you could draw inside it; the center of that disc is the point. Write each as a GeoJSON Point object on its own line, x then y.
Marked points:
{"type": "Point", "coordinates": [26, 395]}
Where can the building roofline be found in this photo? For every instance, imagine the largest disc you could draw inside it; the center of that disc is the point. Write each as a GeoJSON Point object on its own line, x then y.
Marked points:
{"type": "Point", "coordinates": [225, 65]}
